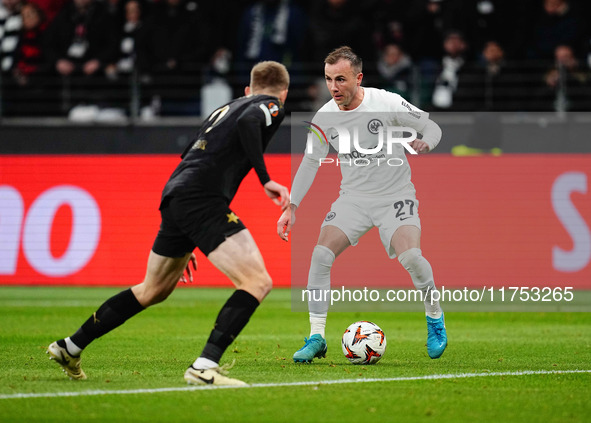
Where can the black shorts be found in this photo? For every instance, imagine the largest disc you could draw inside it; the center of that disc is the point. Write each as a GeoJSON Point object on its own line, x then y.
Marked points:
{"type": "Point", "coordinates": [194, 222]}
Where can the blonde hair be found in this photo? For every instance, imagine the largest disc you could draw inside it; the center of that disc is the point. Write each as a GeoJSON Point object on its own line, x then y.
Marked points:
{"type": "Point", "coordinates": [269, 75]}
{"type": "Point", "coordinates": [345, 53]}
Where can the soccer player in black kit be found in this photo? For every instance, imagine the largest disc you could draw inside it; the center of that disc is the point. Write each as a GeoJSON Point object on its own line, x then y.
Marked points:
{"type": "Point", "coordinates": [195, 213]}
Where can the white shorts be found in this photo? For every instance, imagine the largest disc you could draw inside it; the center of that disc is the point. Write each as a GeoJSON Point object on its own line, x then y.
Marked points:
{"type": "Point", "coordinates": [355, 215]}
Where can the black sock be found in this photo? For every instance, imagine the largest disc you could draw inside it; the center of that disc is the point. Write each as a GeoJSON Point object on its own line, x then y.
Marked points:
{"type": "Point", "coordinates": [113, 313]}
{"type": "Point", "coordinates": [232, 318]}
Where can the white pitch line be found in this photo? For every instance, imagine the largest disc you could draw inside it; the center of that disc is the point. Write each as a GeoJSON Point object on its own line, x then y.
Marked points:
{"type": "Point", "coordinates": [280, 385]}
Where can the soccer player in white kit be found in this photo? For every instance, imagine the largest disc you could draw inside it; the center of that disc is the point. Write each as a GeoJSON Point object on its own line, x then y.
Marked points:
{"type": "Point", "coordinates": [376, 190]}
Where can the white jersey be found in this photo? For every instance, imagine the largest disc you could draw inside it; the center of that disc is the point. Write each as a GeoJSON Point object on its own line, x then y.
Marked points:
{"type": "Point", "coordinates": [377, 174]}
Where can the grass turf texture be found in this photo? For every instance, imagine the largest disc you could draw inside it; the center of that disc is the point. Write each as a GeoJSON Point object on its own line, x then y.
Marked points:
{"type": "Point", "coordinates": [153, 349]}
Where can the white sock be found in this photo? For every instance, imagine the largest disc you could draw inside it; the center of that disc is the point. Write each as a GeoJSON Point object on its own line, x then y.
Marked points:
{"type": "Point", "coordinates": [72, 348]}
{"type": "Point", "coordinates": [317, 324]}
{"type": "Point", "coordinates": [422, 277]}
{"type": "Point", "coordinates": [203, 363]}
{"type": "Point", "coordinates": [432, 310]}
{"type": "Point", "coordinates": [319, 287]}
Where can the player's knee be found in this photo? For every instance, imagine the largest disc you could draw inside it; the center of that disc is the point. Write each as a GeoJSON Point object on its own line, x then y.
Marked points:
{"type": "Point", "coordinates": [410, 258]}
{"type": "Point", "coordinates": [418, 267]}
{"type": "Point", "coordinates": [150, 295]}
{"type": "Point", "coordinates": [159, 296]}
{"type": "Point", "coordinates": [266, 284]}
{"type": "Point", "coordinates": [323, 256]}
{"type": "Point", "coordinates": [258, 286]}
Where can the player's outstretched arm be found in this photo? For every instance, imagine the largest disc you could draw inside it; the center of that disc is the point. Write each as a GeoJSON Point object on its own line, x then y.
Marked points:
{"type": "Point", "coordinates": [277, 193]}
{"type": "Point", "coordinates": [286, 221]}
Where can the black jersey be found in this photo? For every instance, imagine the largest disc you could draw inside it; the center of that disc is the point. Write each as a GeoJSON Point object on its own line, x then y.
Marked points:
{"type": "Point", "coordinates": [230, 143]}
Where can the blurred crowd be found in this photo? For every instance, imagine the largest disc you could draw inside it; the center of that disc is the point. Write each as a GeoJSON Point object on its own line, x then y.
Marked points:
{"type": "Point", "coordinates": [468, 55]}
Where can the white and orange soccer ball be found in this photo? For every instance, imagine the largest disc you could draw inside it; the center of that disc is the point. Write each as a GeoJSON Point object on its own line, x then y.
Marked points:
{"type": "Point", "coordinates": [364, 343]}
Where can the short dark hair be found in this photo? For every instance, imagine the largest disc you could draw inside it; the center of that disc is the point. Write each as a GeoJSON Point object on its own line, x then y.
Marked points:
{"type": "Point", "coordinates": [345, 53]}
{"type": "Point", "coordinates": [269, 74]}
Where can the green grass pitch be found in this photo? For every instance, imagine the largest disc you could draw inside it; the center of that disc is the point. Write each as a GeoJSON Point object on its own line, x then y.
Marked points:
{"type": "Point", "coordinates": [151, 351]}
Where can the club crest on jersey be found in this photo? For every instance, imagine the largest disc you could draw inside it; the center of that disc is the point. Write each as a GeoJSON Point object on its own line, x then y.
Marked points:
{"type": "Point", "coordinates": [374, 126]}
{"type": "Point", "coordinates": [274, 109]}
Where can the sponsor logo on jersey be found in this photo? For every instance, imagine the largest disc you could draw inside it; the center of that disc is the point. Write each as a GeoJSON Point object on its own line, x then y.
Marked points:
{"type": "Point", "coordinates": [374, 126]}
{"type": "Point", "coordinates": [330, 216]}
{"type": "Point", "coordinates": [411, 111]}
{"type": "Point", "coordinates": [274, 109]}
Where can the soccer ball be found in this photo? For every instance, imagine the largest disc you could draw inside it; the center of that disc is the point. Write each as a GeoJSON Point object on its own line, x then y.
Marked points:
{"type": "Point", "coordinates": [364, 343]}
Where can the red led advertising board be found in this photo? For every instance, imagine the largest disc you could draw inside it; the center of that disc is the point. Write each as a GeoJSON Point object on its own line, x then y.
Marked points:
{"type": "Point", "coordinates": [91, 220]}
{"type": "Point", "coordinates": [509, 220]}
